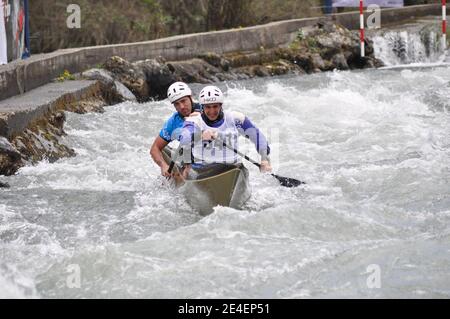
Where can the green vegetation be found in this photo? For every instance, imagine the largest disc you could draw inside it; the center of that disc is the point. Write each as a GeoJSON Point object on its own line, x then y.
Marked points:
{"type": "Point", "coordinates": [66, 75]}
{"type": "Point", "coordinates": [115, 21]}
{"type": "Point", "coordinates": [118, 21]}
{"type": "Point", "coordinates": [300, 35]}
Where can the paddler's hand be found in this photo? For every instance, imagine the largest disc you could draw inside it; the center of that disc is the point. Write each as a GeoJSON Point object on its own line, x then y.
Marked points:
{"type": "Point", "coordinates": [165, 171]}
{"type": "Point", "coordinates": [265, 167]}
{"type": "Point", "coordinates": [195, 114]}
{"type": "Point", "coordinates": [209, 135]}
{"type": "Point", "coordinates": [185, 171]}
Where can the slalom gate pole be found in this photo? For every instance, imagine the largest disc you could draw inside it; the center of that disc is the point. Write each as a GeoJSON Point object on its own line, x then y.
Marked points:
{"type": "Point", "coordinates": [444, 24]}
{"type": "Point", "coordinates": [361, 28]}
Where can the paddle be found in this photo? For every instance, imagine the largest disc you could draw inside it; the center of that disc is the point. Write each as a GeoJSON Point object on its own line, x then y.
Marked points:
{"type": "Point", "coordinates": [284, 181]}
{"type": "Point", "coordinates": [179, 152]}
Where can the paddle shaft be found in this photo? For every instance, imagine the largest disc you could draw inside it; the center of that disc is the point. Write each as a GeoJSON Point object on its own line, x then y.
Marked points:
{"type": "Point", "coordinates": [243, 155]}
{"type": "Point", "coordinates": [284, 181]}
{"type": "Point", "coordinates": [172, 162]}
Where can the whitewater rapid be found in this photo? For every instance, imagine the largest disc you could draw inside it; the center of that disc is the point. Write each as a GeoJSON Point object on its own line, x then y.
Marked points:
{"type": "Point", "coordinates": [373, 147]}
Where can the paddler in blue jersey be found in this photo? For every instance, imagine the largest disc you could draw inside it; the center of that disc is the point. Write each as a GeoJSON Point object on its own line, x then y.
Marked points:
{"type": "Point", "coordinates": [204, 135]}
{"type": "Point", "coordinates": [180, 95]}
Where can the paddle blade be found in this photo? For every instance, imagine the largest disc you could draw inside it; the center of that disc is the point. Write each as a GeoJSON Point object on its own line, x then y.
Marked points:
{"type": "Point", "coordinates": [288, 182]}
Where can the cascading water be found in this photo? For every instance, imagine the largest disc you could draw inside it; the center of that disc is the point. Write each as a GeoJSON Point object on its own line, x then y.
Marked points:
{"type": "Point", "coordinates": [409, 45]}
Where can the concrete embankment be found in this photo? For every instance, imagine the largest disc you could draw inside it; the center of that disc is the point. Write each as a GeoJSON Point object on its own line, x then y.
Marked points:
{"type": "Point", "coordinates": [18, 111]}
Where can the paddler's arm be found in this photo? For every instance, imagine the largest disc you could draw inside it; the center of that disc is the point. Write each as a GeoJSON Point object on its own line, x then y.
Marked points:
{"type": "Point", "coordinates": [249, 130]}
{"type": "Point", "coordinates": [166, 135]}
{"type": "Point", "coordinates": [156, 154]}
{"type": "Point", "coordinates": [186, 139]}
{"type": "Point", "coordinates": [187, 131]}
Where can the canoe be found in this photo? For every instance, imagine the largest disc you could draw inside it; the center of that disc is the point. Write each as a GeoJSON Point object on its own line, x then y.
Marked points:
{"type": "Point", "coordinates": [214, 184]}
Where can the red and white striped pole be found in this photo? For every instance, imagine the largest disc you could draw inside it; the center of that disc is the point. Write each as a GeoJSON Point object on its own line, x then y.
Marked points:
{"type": "Point", "coordinates": [444, 24]}
{"type": "Point", "coordinates": [361, 27]}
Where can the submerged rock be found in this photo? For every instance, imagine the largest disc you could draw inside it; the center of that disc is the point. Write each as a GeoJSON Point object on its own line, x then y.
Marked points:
{"type": "Point", "coordinates": [4, 185]}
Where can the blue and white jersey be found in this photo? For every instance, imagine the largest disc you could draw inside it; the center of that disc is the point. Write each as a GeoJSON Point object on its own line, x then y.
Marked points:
{"type": "Point", "coordinates": [172, 127]}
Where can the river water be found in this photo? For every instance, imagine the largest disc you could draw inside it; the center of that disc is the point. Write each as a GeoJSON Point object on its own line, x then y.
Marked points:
{"type": "Point", "coordinates": [373, 220]}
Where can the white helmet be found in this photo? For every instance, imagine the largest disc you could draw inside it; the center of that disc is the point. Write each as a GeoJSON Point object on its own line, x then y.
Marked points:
{"type": "Point", "coordinates": [178, 90]}
{"type": "Point", "coordinates": [211, 95]}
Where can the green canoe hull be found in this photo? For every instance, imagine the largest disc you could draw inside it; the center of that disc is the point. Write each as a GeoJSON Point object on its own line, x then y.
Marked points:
{"type": "Point", "coordinates": [214, 185]}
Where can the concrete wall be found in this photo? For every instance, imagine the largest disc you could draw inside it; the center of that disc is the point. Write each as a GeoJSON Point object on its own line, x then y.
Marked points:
{"type": "Point", "coordinates": [18, 112]}
{"type": "Point", "coordinates": [22, 76]}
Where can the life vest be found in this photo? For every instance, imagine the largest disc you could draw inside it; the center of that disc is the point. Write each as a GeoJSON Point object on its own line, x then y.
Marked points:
{"type": "Point", "coordinates": [205, 152]}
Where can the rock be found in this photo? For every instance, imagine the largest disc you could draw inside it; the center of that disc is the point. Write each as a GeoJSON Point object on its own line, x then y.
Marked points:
{"type": "Point", "coordinates": [358, 62]}
{"type": "Point", "coordinates": [98, 75]}
{"type": "Point", "coordinates": [57, 120]}
{"type": "Point", "coordinates": [377, 62]}
{"type": "Point", "coordinates": [211, 58]}
{"type": "Point", "coordinates": [225, 65]}
{"type": "Point", "coordinates": [129, 75]}
{"type": "Point", "coordinates": [123, 92]}
{"type": "Point", "coordinates": [317, 62]}
{"type": "Point", "coordinates": [10, 158]}
{"type": "Point", "coordinates": [260, 71]}
{"type": "Point", "coordinates": [216, 60]}
{"type": "Point", "coordinates": [237, 60]}
{"type": "Point", "coordinates": [195, 70]}
{"type": "Point", "coordinates": [327, 26]}
{"type": "Point", "coordinates": [8, 149]}
{"type": "Point", "coordinates": [339, 62]}
{"type": "Point", "coordinates": [328, 46]}
{"type": "Point", "coordinates": [159, 76]}
{"type": "Point", "coordinates": [4, 185]}
{"type": "Point", "coordinates": [304, 61]}
{"type": "Point", "coordinates": [282, 67]}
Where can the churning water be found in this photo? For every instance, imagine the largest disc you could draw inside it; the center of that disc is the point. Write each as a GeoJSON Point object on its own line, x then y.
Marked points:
{"type": "Point", "coordinates": [373, 220]}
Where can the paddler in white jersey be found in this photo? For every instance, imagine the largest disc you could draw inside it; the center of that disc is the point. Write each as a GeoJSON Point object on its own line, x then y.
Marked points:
{"type": "Point", "coordinates": [203, 135]}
